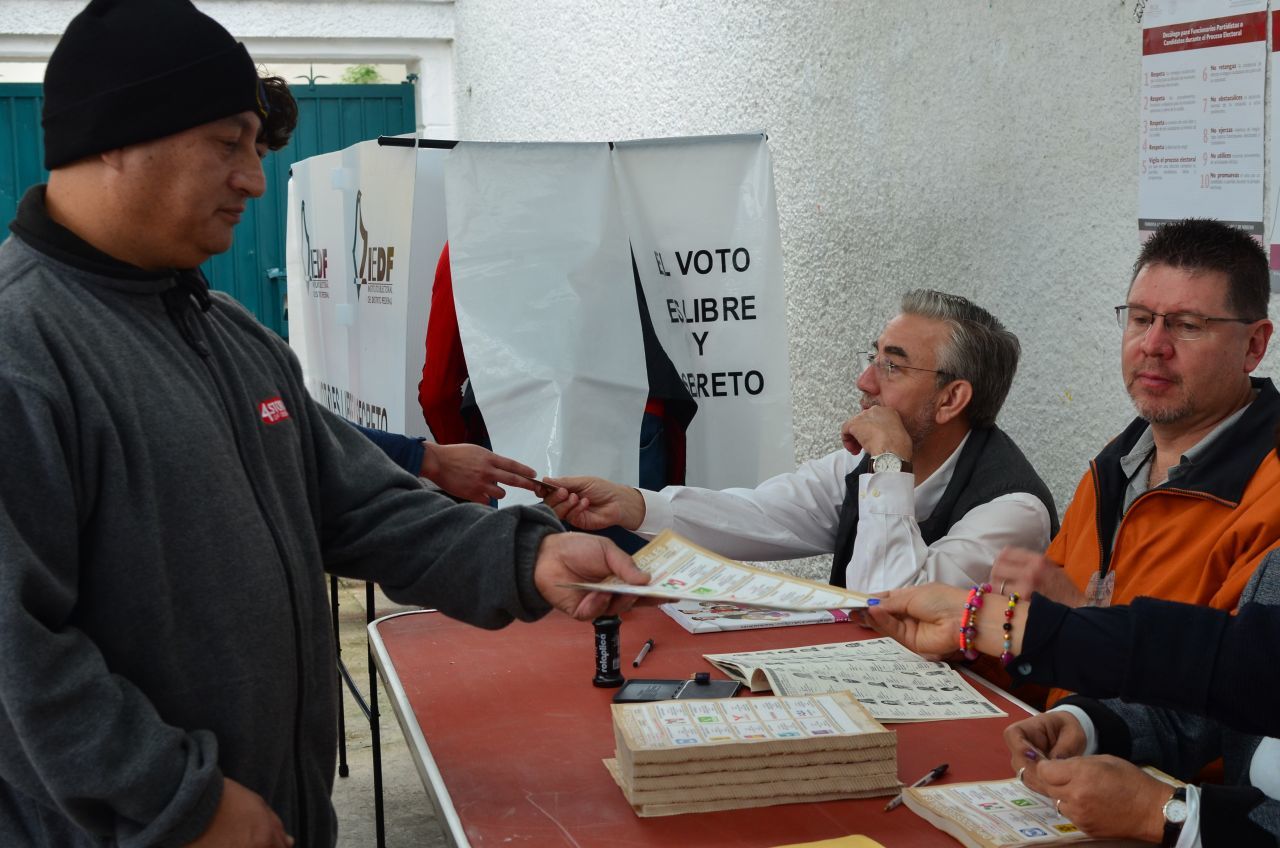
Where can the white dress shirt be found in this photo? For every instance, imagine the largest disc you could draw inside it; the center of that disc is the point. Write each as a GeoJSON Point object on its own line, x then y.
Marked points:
{"type": "Point", "coordinates": [797, 514]}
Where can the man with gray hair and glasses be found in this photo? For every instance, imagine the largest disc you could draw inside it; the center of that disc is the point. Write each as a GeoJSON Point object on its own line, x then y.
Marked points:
{"type": "Point", "coordinates": [1185, 502]}
{"type": "Point", "coordinates": [926, 488]}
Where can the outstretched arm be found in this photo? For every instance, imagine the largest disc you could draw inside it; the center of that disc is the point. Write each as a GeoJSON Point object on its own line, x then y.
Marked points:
{"type": "Point", "coordinates": [473, 473]}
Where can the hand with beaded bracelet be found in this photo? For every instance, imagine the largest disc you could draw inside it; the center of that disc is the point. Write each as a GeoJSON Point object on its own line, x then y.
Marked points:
{"type": "Point", "coordinates": [936, 620]}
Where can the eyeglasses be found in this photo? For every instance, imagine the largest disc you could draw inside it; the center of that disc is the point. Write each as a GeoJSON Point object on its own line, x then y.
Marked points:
{"type": "Point", "coordinates": [890, 369]}
{"type": "Point", "coordinates": [1188, 326]}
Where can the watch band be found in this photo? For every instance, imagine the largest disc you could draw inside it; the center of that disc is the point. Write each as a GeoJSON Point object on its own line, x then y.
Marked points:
{"type": "Point", "coordinates": [1175, 816]}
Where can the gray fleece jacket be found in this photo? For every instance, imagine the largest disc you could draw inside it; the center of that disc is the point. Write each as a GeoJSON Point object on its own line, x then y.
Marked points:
{"type": "Point", "coordinates": [165, 520]}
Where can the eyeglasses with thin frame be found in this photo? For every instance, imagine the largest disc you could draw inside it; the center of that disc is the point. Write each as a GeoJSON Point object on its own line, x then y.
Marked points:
{"type": "Point", "coordinates": [1187, 326]}
{"type": "Point", "coordinates": [890, 369]}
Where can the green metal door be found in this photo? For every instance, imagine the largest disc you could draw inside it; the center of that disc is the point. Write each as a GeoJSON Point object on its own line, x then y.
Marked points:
{"type": "Point", "coordinates": [21, 145]}
{"type": "Point", "coordinates": [330, 117]}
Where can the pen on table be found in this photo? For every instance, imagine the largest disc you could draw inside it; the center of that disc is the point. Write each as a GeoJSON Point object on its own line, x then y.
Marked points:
{"type": "Point", "coordinates": [924, 781]}
{"type": "Point", "coordinates": [644, 651]}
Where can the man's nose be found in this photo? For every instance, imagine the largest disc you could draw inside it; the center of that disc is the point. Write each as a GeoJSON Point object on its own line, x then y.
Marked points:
{"type": "Point", "coordinates": [250, 178]}
{"type": "Point", "coordinates": [869, 379]}
{"type": "Point", "coordinates": [1157, 340]}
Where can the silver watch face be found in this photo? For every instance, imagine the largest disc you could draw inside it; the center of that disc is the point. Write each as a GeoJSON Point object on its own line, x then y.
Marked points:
{"type": "Point", "coordinates": [1175, 811]}
{"type": "Point", "coordinates": [886, 462]}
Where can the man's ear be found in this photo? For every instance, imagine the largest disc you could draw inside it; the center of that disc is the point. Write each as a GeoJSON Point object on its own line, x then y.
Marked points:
{"type": "Point", "coordinates": [953, 400]}
{"type": "Point", "coordinates": [1259, 336]}
{"type": "Point", "coordinates": [114, 159]}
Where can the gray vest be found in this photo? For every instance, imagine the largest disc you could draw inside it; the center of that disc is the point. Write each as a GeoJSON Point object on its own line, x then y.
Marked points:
{"type": "Point", "coordinates": [1004, 470]}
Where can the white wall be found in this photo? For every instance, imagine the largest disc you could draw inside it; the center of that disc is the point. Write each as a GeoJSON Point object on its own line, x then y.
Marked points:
{"type": "Point", "coordinates": [985, 148]}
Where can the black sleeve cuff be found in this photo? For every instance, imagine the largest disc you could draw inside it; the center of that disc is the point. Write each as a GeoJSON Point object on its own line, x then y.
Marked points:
{"type": "Point", "coordinates": [1113, 733]}
{"type": "Point", "coordinates": [1035, 664]}
{"type": "Point", "coordinates": [1083, 650]}
{"type": "Point", "coordinates": [1224, 817]}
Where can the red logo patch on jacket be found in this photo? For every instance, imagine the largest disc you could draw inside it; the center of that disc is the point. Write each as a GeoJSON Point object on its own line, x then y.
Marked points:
{"type": "Point", "coordinates": [272, 410]}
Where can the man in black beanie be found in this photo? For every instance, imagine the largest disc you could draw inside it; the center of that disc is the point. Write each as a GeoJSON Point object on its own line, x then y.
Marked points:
{"type": "Point", "coordinates": [169, 493]}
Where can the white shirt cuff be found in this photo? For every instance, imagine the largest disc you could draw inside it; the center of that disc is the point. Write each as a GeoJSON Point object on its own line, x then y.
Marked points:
{"type": "Point", "coordinates": [887, 493]}
{"type": "Point", "coordinates": [1190, 836]}
{"type": "Point", "coordinates": [657, 514]}
{"type": "Point", "coordinates": [1086, 724]}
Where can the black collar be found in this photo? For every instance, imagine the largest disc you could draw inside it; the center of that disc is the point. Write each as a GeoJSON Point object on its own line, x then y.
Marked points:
{"type": "Point", "coordinates": [1227, 465]}
{"type": "Point", "coordinates": [34, 226]}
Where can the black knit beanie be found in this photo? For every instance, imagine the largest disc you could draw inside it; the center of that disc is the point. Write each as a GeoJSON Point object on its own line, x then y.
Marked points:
{"type": "Point", "coordinates": [128, 71]}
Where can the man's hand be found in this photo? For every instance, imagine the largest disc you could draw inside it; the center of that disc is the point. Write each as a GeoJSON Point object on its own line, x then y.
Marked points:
{"type": "Point", "coordinates": [877, 430]}
{"type": "Point", "coordinates": [593, 503]}
{"type": "Point", "coordinates": [1106, 796]}
{"type": "Point", "coordinates": [472, 472]}
{"type": "Point", "coordinates": [1055, 735]}
{"type": "Point", "coordinates": [1024, 572]}
{"type": "Point", "coordinates": [580, 558]}
{"type": "Point", "coordinates": [243, 820]}
{"type": "Point", "coordinates": [925, 618]}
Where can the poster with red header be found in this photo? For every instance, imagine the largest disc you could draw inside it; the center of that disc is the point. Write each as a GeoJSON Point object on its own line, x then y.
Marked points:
{"type": "Point", "coordinates": [1202, 132]}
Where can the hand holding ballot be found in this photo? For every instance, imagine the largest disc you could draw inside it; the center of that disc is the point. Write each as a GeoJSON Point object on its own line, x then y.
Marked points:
{"type": "Point", "coordinates": [680, 570]}
{"type": "Point", "coordinates": [567, 570]}
{"type": "Point", "coordinates": [593, 503]}
{"type": "Point", "coordinates": [1105, 796]}
{"type": "Point", "coordinates": [926, 619]}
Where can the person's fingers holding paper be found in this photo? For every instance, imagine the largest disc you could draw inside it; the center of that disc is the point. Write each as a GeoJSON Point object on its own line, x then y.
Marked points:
{"type": "Point", "coordinates": [926, 619]}
{"type": "Point", "coordinates": [580, 558]}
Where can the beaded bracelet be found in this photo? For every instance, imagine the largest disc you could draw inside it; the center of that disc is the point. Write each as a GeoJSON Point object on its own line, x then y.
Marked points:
{"type": "Point", "coordinates": [969, 620]}
{"type": "Point", "coordinates": [1006, 654]}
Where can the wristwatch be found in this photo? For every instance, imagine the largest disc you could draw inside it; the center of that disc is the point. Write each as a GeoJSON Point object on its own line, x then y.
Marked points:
{"type": "Point", "coordinates": [1175, 816]}
{"type": "Point", "coordinates": [889, 462]}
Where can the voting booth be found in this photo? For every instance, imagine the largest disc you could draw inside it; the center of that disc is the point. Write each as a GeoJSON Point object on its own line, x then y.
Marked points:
{"type": "Point", "coordinates": [553, 248]}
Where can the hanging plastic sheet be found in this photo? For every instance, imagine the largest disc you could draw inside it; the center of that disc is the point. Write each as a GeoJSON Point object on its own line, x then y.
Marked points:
{"type": "Point", "coordinates": [546, 306]}
{"type": "Point", "coordinates": [703, 221]}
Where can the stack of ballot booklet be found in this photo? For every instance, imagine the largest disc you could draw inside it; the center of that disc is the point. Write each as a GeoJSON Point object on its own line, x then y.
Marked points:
{"type": "Point", "coordinates": [893, 683]}
{"type": "Point", "coordinates": [698, 756]}
{"type": "Point", "coordinates": [1003, 814]}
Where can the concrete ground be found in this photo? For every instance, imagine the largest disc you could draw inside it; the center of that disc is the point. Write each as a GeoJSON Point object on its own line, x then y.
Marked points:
{"type": "Point", "coordinates": [409, 818]}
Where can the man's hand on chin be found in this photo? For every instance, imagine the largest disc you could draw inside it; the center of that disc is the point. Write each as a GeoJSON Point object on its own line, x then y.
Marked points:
{"type": "Point", "coordinates": [877, 430]}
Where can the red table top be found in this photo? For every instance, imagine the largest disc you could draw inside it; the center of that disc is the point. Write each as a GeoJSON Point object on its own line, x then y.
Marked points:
{"type": "Point", "coordinates": [518, 733]}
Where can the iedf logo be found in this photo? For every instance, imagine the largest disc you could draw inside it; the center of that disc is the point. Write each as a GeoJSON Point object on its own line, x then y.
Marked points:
{"type": "Point", "coordinates": [315, 261]}
{"type": "Point", "coordinates": [373, 263]}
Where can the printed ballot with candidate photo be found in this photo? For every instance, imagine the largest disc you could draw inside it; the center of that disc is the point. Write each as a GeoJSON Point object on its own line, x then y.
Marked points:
{"type": "Point", "coordinates": [682, 571]}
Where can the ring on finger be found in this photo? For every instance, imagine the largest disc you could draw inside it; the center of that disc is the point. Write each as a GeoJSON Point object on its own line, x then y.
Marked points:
{"type": "Point", "coordinates": [1002, 582]}
{"type": "Point", "coordinates": [1020, 771]}
{"type": "Point", "coordinates": [1057, 806]}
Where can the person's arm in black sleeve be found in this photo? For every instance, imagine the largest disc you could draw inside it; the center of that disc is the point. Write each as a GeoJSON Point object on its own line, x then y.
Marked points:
{"type": "Point", "coordinates": [1238, 817]}
{"type": "Point", "coordinates": [1157, 652]}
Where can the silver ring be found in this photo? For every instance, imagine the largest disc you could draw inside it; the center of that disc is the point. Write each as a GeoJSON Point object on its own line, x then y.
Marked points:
{"type": "Point", "coordinates": [1002, 582]}
{"type": "Point", "coordinates": [1020, 771]}
{"type": "Point", "coordinates": [1057, 806]}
